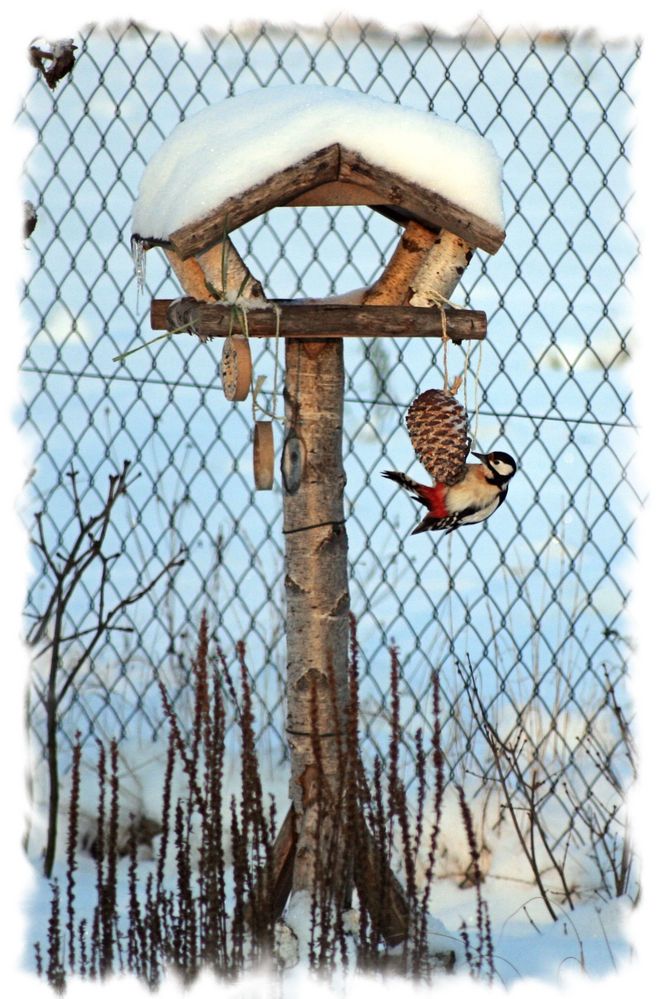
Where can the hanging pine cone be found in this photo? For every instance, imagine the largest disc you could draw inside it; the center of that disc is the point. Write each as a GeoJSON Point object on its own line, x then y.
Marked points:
{"type": "Point", "coordinates": [437, 426]}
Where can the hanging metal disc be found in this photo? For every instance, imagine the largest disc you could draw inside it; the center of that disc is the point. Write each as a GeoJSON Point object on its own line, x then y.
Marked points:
{"type": "Point", "coordinates": [293, 462]}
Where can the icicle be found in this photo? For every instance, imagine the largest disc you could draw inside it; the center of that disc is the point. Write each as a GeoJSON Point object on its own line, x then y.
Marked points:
{"type": "Point", "coordinates": [139, 259]}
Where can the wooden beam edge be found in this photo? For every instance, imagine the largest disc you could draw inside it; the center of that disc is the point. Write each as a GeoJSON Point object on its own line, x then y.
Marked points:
{"type": "Point", "coordinates": [406, 197]}
{"type": "Point", "coordinates": [319, 168]}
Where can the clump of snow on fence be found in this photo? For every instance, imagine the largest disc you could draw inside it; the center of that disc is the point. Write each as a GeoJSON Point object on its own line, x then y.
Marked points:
{"type": "Point", "coordinates": [229, 147]}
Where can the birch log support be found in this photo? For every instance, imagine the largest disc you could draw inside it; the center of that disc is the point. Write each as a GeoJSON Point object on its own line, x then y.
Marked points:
{"type": "Point", "coordinates": [394, 287]}
{"type": "Point", "coordinates": [441, 270]}
{"type": "Point", "coordinates": [202, 277]}
{"type": "Point", "coordinates": [317, 592]}
{"type": "Point", "coordinates": [191, 277]}
{"type": "Point", "coordinates": [236, 275]}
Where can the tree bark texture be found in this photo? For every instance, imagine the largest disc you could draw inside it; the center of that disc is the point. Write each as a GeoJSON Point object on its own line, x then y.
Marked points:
{"type": "Point", "coordinates": [317, 593]}
{"type": "Point", "coordinates": [441, 269]}
{"type": "Point", "coordinates": [207, 277]}
{"type": "Point", "coordinates": [394, 286]}
{"type": "Point", "coordinates": [322, 321]}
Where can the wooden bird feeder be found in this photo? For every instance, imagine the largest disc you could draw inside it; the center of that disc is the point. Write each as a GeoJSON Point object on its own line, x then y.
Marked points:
{"type": "Point", "coordinates": [435, 249]}
{"type": "Point", "coordinates": [437, 243]}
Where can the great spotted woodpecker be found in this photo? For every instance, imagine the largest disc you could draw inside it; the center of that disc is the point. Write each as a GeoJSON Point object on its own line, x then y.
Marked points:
{"type": "Point", "coordinates": [473, 498]}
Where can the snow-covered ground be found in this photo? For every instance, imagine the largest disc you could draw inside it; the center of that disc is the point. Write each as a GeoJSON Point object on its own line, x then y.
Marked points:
{"type": "Point", "coordinates": [527, 943]}
{"type": "Point", "coordinates": [590, 938]}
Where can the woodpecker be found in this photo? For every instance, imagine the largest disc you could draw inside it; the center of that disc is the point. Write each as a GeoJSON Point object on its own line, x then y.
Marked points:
{"type": "Point", "coordinates": [479, 491]}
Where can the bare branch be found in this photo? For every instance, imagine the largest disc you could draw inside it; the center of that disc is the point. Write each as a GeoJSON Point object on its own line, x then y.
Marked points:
{"type": "Point", "coordinates": [66, 571]}
{"type": "Point", "coordinates": [104, 621]}
{"type": "Point", "coordinates": [499, 748]}
{"type": "Point", "coordinates": [75, 563]}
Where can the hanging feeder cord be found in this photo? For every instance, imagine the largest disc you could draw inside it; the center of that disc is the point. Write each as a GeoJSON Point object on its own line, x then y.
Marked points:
{"type": "Point", "coordinates": [445, 347]}
{"type": "Point", "coordinates": [452, 389]}
{"type": "Point", "coordinates": [255, 388]}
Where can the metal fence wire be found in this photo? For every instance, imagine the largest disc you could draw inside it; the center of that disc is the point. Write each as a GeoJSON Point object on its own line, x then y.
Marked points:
{"type": "Point", "coordinates": [532, 600]}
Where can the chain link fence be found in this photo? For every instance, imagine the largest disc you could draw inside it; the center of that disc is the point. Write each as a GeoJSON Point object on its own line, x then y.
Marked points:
{"type": "Point", "coordinates": [532, 600]}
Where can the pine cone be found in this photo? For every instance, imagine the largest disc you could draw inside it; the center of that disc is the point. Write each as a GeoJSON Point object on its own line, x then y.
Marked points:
{"type": "Point", "coordinates": [437, 426]}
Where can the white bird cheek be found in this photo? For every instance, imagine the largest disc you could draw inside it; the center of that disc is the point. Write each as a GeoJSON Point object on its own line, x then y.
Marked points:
{"type": "Point", "coordinates": [503, 469]}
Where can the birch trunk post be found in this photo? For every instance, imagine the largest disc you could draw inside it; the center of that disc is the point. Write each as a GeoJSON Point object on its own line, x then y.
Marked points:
{"type": "Point", "coordinates": [424, 267]}
{"type": "Point", "coordinates": [317, 590]}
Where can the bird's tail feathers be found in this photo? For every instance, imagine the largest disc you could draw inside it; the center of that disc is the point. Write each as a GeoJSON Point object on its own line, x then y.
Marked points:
{"type": "Point", "coordinates": [413, 488]}
{"type": "Point", "coordinates": [429, 523]}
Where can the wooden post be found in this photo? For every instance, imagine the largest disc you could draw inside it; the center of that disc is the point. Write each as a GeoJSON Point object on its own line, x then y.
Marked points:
{"type": "Point", "coordinates": [317, 587]}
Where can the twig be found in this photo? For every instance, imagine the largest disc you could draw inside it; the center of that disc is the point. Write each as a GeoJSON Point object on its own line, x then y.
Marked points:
{"type": "Point", "coordinates": [46, 635]}
{"type": "Point", "coordinates": [492, 738]}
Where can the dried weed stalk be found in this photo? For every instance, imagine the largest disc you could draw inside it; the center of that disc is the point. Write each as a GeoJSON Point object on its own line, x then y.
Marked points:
{"type": "Point", "coordinates": [482, 955]}
{"type": "Point", "coordinates": [363, 827]}
{"type": "Point", "coordinates": [524, 793]}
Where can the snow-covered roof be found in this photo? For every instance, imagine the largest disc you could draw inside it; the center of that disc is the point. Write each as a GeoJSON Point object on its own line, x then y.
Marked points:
{"type": "Point", "coordinates": [230, 147]}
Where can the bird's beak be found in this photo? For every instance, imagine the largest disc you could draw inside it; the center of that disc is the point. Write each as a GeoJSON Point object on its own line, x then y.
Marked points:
{"type": "Point", "coordinates": [482, 457]}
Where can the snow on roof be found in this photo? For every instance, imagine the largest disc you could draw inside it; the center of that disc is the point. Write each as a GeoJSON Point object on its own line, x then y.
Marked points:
{"type": "Point", "coordinates": [232, 146]}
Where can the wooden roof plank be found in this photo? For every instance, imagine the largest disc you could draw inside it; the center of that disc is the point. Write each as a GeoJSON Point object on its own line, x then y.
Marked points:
{"type": "Point", "coordinates": [419, 203]}
{"type": "Point", "coordinates": [336, 193]}
{"type": "Point", "coordinates": [337, 176]}
{"type": "Point", "coordinates": [319, 168]}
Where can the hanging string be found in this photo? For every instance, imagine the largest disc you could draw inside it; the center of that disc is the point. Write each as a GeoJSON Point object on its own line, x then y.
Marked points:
{"type": "Point", "coordinates": [468, 349]}
{"type": "Point", "coordinates": [477, 399]}
{"type": "Point", "coordinates": [445, 348]}
{"type": "Point", "coordinates": [462, 378]}
{"type": "Point", "coordinates": [255, 387]}
{"type": "Point", "coordinates": [438, 299]}
{"type": "Point", "coordinates": [457, 381]}
{"type": "Point", "coordinates": [276, 310]}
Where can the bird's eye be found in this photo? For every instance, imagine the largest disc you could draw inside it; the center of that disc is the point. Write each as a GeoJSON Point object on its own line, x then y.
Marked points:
{"type": "Point", "coordinates": [501, 467]}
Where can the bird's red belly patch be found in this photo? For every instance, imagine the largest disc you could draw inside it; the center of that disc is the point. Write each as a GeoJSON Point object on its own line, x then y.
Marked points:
{"type": "Point", "coordinates": [435, 495]}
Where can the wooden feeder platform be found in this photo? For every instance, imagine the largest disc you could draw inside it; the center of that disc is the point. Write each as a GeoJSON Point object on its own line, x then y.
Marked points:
{"type": "Point", "coordinates": [316, 321]}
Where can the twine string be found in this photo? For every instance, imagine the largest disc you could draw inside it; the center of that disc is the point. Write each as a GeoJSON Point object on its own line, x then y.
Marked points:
{"type": "Point", "coordinates": [460, 379]}
{"type": "Point", "coordinates": [255, 387]}
{"type": "Point", "coordinates": [441, 301]}
{"type": "Point", "coordinates": [477, 394]}
{"type": "Point", "coordinates": [445, 348]}
{"type": "Point", "coordinates": [276, 310]}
